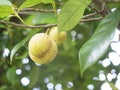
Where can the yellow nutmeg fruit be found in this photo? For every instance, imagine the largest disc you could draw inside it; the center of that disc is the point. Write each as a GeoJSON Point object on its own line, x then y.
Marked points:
{"type": "Point", "coordinates": [58, 37]}
{"type": "Point", "coordinates": [42, 48]}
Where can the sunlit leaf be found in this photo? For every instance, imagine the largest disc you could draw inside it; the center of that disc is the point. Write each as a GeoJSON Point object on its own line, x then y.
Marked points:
{"type": "Point", "coordinates": [6, 8]}
{"type": "Point", "coordinates": [5, 11]}
{"type": "Point", "coordinates": [21, 43]}
{"type": "Point", "coordinates": [71, 13]}
{"type": "Point", "coordinates": [5, 2]}
{"type": "Point", "coordinates": [98, 44]}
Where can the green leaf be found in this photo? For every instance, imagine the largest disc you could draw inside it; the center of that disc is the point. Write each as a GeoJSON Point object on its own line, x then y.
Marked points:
{"type": "Point", "coordinates": [6, 8]}
{"type": "Point", "coordinates": [5, 11]}
{"type": "Point", "coordinates": [5, 2]}
{"type": "Point", "coordinates": [4, 87]}
{"type": "Point", "coordinates": [98, 44]}
{"type": "Point", "coordinates": [47, 1]}
{"type": "Point", "coordinates": [113, 5]}
{"type": "Point", "coordinates": [20, 44]}
{"type": "Point", "coordinates": [112, 85]}
{"type": "Point", "coordinates": [29, 3]}
{"type": "Point", "coordinates": [11, 75]}
{"type": "Point", "coordinates": [50, 1]}
{"type": "Point", "coordinates": [71, 13]}
{"type": "Point", "coordinates": [41, 18]}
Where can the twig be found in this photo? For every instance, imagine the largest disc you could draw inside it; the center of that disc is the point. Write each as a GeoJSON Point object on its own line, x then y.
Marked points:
{"type": "Point", "coordinates": [28, 11]}
{"type": "Point", "coordinates": [27, 26]}
{"type": "Point", "coordinates": [36, 9]}
{"type": "Point", "coordinates": [85, 18]}
{"type": "Point", "coordinates": [101, 7]}
{"type": "Point", "coordinates": [47, 25]}
{"type": "Point", "coordinates": [89, 15]}
{"type": "Point", "coordinates": [91, 19]}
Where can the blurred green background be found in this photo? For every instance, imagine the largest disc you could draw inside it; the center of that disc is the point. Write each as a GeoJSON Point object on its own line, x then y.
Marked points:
{"type": "Point", "coordinates": [63, 73]}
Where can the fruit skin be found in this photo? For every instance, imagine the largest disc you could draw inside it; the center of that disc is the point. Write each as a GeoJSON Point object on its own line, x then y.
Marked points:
{"type": "Point", "coordinates": [60, 37]}
{"type": "Point", "coordinates": [42, 48]}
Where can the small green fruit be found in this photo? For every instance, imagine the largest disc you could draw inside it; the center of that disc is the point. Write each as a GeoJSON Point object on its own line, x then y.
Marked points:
{"type": "Point", "coordinates": [60, 37]}
{"type": "Point", "coordinates": [42, 48]}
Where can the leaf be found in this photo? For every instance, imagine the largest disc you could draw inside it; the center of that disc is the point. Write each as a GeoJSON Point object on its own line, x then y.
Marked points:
{"type": "Point", "coordinates": [50, 1]}
{"type": "Point", "coordinates": [5, 2]}
{"type": "Point", "coordinates": [47, 1]}
{"type": "Point", "coordinates": [29, 3]}
{"type": "Point", "coordinates": [5, 11]}
{"type": "Point", "coordinates": [98, 44]}
{"type": "Point", "coordinates": [20, 44]}
{"type": "Point", "coordinates": [41, 18]}
{"type": "Point", "coordinates": [4, 87]}
{"type": "Point", "coordinates": [11, 75]}
{"type": "Point", "coordinates": [71, 13]}
{"type": "Point", "coordinates": [6, 8]}
{"type": "Point", "coordinates": [67, 43]}
{"type": "Point", "coordinates": [112, 85]}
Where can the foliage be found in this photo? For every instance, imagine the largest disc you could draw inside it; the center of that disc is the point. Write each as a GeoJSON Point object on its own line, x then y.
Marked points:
{"type": "Point", "coordinates": [90, 27]}
{"type": "Point", "coordinates": [97, 49]}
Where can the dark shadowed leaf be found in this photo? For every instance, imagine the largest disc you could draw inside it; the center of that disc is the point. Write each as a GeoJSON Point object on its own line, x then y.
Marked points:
{"type": "Point", "coordinates": [98, 44]}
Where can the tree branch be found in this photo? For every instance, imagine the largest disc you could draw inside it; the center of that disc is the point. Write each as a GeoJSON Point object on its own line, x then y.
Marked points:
{"type": "Point", "coordinates": [28, 11]}
{"type": "Point", "coordinates": [91, 19]}
{"type": "Point", "coordinates": [100, 7]}
{"type": "Point", "coordinates": [90, 15]}
{"type": "Point", "coordinates": [36, 9]}
{"type": "Point", "coordinates": [47, 25]}
{"type": "Point", "coordinates": [85, 18]}
{"type": "Point", "coordinates": [27, 26]}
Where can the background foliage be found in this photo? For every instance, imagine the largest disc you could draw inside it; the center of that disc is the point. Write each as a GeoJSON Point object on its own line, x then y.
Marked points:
{"type": "Point", "coordinates": [90, 26]}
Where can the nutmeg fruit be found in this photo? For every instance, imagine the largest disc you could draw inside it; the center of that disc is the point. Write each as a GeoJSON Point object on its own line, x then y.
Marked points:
{"type": "Point", "coordinates": [42, 48]}
{"type": "Point", "coordinates": [58, 37]}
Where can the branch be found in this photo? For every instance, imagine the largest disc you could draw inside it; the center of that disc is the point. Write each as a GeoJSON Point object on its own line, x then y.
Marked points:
{"type": "Point", "coordinates": [28, 11]}
{"type": "Point", "coordinates": [101, 7]}
{"type": "Point", "coordinates": [27, 26]}
{"type": "Point", "coordinates": [91, 19]}
{"type": "Point", "coordinates": [45, 26]}
{"type": "Point", "coordinates": [85, 18]}
{"type": "Point", "coordinates": [90, 15]}
{"type": "Point", "coordinates": [36, 9]}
